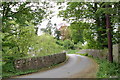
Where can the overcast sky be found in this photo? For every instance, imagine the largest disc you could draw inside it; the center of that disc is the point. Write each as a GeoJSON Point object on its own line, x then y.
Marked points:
{"type": "Point", "coordinates": [55, 18]}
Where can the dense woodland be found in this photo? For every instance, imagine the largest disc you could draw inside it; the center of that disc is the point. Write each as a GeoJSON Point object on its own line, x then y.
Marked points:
{"type": "Point", "coordinates": [87, 25]}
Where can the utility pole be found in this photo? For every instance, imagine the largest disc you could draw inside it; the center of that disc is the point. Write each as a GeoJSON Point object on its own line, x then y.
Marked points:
{"type": "Point", "coordinates": [109, 35]}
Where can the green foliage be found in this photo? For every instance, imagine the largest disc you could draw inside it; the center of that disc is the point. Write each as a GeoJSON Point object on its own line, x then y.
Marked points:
{"type": "Point", "coordinates": [77, 29]}
{"type": "Point", "coordinates": [92, 44]}
{"type": "Point", "coordinates": [19, 37]}
{"type": "Point", "coordinates": [18, 34]}
{"type": "Point", "coordinates": [60, 42]}
{"type": "Point", "coordinates": [42, 45]}
{"type": "Point", "coordinates": [45, 45]}
{"type": "Point", "coordinates": [107, 69]}
{"type": "Point", "coordinates": [24, 8]}
{"type": "Point", "coordinates": [68, 44]}
{"type": "Point", "coordinates": [57, 34]}
{"type": "Point", "coordinates": [8, 66]}
{"type": "Point", "coordinates": [17, 44]}
{"type": "Point", "coordinates": [78, 45]}
{"type": "Point", "coordinates": [18, 31]}
{"type": "Point", "coordinates": [70, 51]}
{"type": "Point", "coordinates": [85, 54]}
{"type": "Point", "coordinates": [85, 46]}
{"type": "Point", "coordinates": [94, 33]}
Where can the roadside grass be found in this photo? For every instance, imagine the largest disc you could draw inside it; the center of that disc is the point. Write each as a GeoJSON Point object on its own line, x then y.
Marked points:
{"type": "Point", "coordinates": [106, 69]}
{"type": "Point", "coordinates": [72, 51]}
{"type": "Point", "coordinates": [13, 72]}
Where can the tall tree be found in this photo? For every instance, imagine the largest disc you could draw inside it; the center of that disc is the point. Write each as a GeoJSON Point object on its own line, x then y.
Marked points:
{"type": "Point", "coordinates": [95, 12]}
{"type": "Point", "coordinates": [109, 35]}
{"type": "Point", "coordinates": [18, 26]}
{"type": "Point", "coordinates": [77, 29]}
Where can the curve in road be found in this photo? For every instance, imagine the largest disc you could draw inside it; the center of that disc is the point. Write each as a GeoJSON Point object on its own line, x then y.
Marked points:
{"type": "Point", "coordinates": [76, 67]}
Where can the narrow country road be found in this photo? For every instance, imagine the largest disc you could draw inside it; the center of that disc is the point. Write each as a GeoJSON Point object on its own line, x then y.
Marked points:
{"type": "Point", "coordinates": [76, 67]}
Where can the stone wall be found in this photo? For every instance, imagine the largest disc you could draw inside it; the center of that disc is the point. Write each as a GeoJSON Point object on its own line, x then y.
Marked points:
{"type": "Point", "coordinates": [116, 53]}
{"type": "Point", "coordinates": [101, 54]}
{"type": "Point", "coordinates": [39, 62]}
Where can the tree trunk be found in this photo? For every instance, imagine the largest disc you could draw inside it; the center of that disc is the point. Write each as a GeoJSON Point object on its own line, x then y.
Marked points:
{"type": "Point", "coordinates": [109, 35]}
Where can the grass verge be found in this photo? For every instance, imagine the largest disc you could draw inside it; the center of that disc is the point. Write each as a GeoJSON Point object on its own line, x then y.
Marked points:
{"type": "Point", "coordinates": [72, 51]}
{"type": "Point", "coordinates": [107, 69]}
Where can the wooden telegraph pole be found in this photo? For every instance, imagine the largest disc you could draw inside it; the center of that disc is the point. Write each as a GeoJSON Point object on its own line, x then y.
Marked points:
{"type": "Point", "coordinates": [109, 35]}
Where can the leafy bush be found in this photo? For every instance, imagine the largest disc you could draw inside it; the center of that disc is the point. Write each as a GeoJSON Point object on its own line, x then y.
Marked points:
{"type": "Point", "coordinates": [107, 69]}
{"type": "Point", "coordinates": [68, 44]}
{"type": "Point", "coordinates": [60, 42]}
{"type": "Point", "coordinates": [45, 45]}
{"type": "Point", "coordinates": [92, 45]}
{"type": "Point", "coordinates": [78, 45]}
{"type": "Point", "coordinates": [38, 46]}
{"type": "Point", "coordinates": [85, 54]}
{"type": "Point", "coordinates": [8, 66]}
